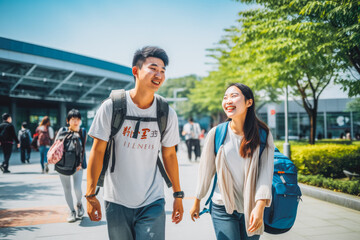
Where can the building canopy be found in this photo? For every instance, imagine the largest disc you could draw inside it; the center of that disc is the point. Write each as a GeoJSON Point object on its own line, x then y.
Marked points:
{"type": "Point", "coordinates": [30, 71]}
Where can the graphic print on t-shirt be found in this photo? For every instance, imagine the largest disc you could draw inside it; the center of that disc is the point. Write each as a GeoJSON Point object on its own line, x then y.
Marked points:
{"type": "Point", "coordinates": [144, 133]}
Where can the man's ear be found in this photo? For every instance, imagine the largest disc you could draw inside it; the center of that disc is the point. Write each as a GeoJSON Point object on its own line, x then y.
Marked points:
{"type": "Point", "coordinates": [135, 71]}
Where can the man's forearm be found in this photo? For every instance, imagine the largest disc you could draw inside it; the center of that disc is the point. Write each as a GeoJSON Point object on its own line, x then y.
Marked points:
{"type": "Point", "coordinates": [96, 160]}
{"type": "Point", "coordinates": [172, 168]}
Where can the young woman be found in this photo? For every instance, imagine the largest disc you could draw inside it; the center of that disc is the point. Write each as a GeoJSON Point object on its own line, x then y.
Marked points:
{"type": "Point", "coordinates": [77, 135]}
{"type": "Point", "coordinates": [243, 188]}
{"type": "Point", "coordinates": [46, 135]}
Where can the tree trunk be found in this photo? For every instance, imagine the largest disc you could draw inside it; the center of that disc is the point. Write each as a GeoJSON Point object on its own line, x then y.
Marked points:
{"type": "Point", "coordinates": [313, 118]}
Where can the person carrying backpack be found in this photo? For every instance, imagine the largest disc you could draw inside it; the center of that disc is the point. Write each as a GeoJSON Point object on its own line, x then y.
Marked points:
{"type": "Point", "coordinates": [7, 138]}
{"type": "Point", "coordinates": [24, 136]}
{"type": "Point", "coordinates": [244, 180]}
{"type": "Point", "coordinates": [73, 162]}
{"type": "Point", "coordinates": [45, 136]}
{"type": "Point", "coordinates": [133, 186]}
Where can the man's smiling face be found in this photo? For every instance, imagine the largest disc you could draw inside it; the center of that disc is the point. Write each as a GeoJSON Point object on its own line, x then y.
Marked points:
{"type": "Point", "coordinates": [151, 75]}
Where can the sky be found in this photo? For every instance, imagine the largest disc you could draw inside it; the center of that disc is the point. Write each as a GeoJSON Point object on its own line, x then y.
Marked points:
{"type": "Point", "coordinates": [113, 30]}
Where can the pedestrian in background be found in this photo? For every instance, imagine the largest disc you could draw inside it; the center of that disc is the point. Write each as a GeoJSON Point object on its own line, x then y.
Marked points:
{"type": "Point", "coordinates": [192, 132]}
{"type": "Point", "coordinates": [7, 138]}
{"type": "Point", "coordinates": [25, 139]}
{"type": "Point", "coordinates": [244, 185]}
{"type": "Point", "coordinates": [73, 135]}
{"type": "Point", "coordinates": [45, 136]}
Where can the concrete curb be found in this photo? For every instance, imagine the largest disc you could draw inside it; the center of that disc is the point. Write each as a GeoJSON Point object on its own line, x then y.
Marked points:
{"type": "Point", "coordinates": [338, 198]}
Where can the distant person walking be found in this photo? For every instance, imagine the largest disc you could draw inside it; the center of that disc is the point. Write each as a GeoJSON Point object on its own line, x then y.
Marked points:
{"type": "Point", "coordinates": [73, 162]}
{"type": "Point", "coordinates": [25, 139]}
{"type": "Point", "coordinates": [45, 136]}
{"type": "Point", "coordinates": [7, 137]}
{"type": "Point", "coordinates": [192, 132]}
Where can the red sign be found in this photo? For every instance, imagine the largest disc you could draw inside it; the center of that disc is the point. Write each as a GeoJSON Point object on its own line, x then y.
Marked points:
{"type": "Point", "coordinates": [272, 112]}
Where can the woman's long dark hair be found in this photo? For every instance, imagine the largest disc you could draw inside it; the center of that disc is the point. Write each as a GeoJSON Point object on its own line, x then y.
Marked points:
{"type": "Point", "coordinates": [252, 123]}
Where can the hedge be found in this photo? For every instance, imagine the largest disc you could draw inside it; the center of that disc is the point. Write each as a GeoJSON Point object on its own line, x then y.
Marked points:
{"type": "Point", "coordinates": [345, 186]}
{"type": "Point", "coordinates": [328, 160]}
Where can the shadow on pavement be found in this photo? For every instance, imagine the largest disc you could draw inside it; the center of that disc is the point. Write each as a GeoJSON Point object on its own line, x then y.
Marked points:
{"type": "Point", "coordinates": [86, 222]}
{"type": "Point", "coordinates": [20, 191]}
{"type": "Point", "coordinates": [6, 232]}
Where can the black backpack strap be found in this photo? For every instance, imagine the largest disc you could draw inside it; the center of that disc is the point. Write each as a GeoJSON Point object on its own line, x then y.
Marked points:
{"type": "Point", "coordinates": [162, 113]}
{"type": "Point", "coordinates": [118, 98]}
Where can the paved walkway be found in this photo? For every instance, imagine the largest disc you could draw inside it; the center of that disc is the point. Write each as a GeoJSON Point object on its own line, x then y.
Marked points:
{"type": "Point", "coordinates": [32, 206]}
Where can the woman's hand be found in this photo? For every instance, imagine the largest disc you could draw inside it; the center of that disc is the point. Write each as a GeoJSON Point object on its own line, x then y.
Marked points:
{"type": "Point", "coordinates": [78, 167]}
{"type": "Point", "coordinates": [257, 216]}
{"type": "Point", "coordinates": [194, 212]}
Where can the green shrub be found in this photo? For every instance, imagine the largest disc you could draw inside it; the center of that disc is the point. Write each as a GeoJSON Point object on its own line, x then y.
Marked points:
{"type": "Point", "coordinates": [345, 186]}
{"type": "Point", "coordinates": [328, 160]}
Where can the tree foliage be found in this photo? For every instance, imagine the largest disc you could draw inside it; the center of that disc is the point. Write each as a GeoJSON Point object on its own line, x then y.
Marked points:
{"type": "Point", "coordinates": [343, 20]}
{"type": "Point", "coordinates": [184, 108]}
{"type": "Point", "coordinates": [271, 49]}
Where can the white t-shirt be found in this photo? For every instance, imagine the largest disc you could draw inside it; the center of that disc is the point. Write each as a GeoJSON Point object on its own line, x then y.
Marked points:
{"type": "Point", "coordinates": [193, 131]}
{"type": "Point", "coordinates": [236, 165]}
{"type": "Point", "coordinates": [136, 180]}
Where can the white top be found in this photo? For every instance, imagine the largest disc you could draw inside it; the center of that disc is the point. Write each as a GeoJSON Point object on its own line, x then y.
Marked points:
{"type": "Point", "coordinates": [136, 180]}
{"type": "Point", "coordinates": [193, 131]}
{"type": "Point", "coordinates": [236, 165]}
{"type": "Point", "coordinates": [257, 176]}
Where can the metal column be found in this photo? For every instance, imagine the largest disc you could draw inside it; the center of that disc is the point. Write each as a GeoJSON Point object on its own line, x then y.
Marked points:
{"type": "Point", "coordinates": [325, 126]}
{"type": "Point", "coordinates": [63, 113]}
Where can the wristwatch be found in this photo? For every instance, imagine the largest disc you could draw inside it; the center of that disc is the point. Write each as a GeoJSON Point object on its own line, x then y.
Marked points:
{"type": "Point", "coordinates": [179, 194]}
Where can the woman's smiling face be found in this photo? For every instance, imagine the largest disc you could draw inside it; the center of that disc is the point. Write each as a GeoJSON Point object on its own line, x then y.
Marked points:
{"type": "Point", "coordinates": [234, 102]}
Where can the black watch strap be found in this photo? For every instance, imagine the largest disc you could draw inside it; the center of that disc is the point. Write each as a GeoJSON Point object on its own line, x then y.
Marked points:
{"type": "Point", "coordinates": [179, 194]}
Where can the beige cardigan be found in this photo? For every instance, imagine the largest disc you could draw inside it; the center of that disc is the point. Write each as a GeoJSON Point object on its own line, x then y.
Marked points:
{"type": "Point", "coordinates": [256, 186]}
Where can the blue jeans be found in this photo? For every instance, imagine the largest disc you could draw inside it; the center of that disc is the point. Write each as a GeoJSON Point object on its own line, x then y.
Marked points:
{"type": "Point", "coordinates": [229, 226]}
{"type": "Point", "coordinates": [136, 223]}
{"type": "Point", "coordinates": [43, 155]}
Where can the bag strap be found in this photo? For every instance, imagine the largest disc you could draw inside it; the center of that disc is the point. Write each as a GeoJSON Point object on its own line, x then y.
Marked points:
{"type": "Point", "coordinates": [220, 135]}
{"type": "Point", "coordinates": [118, 98]}
{"type": "Point", "coordinates": [162, 114]}
{"type": "Point", "coordinates": [82, 137]}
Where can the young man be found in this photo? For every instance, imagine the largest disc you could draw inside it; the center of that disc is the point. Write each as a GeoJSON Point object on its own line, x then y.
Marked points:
{"type": "Point", "coordinates": [7, 137]}
{"type": "Point", "coordinates": [25, 139]}
{"type": "Point", "coordinates": [133, 193]}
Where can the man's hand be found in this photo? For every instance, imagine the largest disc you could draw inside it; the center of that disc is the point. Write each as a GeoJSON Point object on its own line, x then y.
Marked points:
{"type": "Point", "coordinates": [178, 211]}
{"type": "Point", "coordinates": [93, 209]}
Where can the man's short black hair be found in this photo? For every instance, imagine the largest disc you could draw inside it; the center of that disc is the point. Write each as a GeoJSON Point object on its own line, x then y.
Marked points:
{"type": "Point", "coordinates": [149, 51]}
{"type": "Point", "coordinates": [24, 124]}
{"type": "Point", "coordinates": [5, 116]}
{"type": "Point", "coordinates": [73, 113]}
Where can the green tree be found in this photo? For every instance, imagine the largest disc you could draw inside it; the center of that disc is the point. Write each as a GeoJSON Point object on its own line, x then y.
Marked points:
{"type": "Point", "coordinates": [353, 106]}
{"type": "Point", "coordinates": [343, 20]}
{"type": "Point", "coordinates": [270, 50]}
{"type": "Point", "coordinates": [184, 108]}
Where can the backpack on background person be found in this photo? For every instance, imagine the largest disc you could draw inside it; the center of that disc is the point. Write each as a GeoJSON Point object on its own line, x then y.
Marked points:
{"type": "Point", "coordinates": [44, 137]}
{"type": "Point", "coordinates": [286, 194]}
{"type": "Point", "coordinates": [25, 138]}
{"type": "Point", "coordinates": [34, 143]}
{"type": "Point", "coordinates": [67, 151]}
